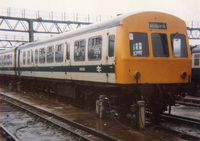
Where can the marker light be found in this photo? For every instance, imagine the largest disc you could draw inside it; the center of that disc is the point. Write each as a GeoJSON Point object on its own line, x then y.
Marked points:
{"type": "Point", "coordinates": [184, 75]}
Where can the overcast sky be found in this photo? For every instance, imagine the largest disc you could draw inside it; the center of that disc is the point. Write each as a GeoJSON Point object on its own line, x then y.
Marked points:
{"type": "Point", "coordinates": [185, 9]}
{"type": "Point", "coordinates": [188, 10]}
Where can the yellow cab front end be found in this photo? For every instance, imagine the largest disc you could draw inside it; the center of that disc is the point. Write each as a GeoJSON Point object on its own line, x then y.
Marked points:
{"type": "Point", "coordinates": [152, 48]}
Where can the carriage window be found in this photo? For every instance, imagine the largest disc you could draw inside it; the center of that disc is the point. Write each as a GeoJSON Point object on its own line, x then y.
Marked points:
{"type": "Point", "coordinates": [42, 55]}
{"type": "Point", "coordinates": [94, 48]}
{"type": "Point", "coordinates": [68, 52]}
{"type": "Point", "coordinates": [11, 59]}
{"type": "Point", "coordinates": [31, 56]}
{"type": "Point", "coordinates": [196, 59]}
{"type": "Point", "coordinates": [8, 60]}
{"type": "Point", "coordinates": [0, 60]}
{"type": "Point", "coordinates": [4, 59]}
{"type": "Point", "coordinates": [50, 54]}
{"type": "Point", "coordinates": [111, 46]}
{"type": "Point", "coordinates": [160, 45]}
{"type": "Point", "coordinates": [24, 58]}
{"type": "Point", "coordinates": [59, 53]}
{"type": "Point", "coordinates": [179, 47]}
{"type": "Point", "coordinates": [28, 57]}
{"type": "Point", "coordinates": [138, 44]}
{"type": "Point", "coordinates": [79, 50]}
{"type": "Point", "coordinates": [36, 56]}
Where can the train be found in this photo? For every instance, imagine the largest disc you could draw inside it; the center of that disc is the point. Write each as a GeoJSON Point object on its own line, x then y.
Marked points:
{"type": "Point", "coordinates": [195, 85]}
{"type": "Point", "coordinates": [132, 57]}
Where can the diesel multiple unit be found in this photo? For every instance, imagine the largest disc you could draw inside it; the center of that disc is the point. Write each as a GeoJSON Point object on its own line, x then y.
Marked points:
{"type": "Point", "coordinates": [131, 57]}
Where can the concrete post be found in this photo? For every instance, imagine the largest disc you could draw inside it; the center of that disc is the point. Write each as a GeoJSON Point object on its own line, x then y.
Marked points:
{"type": "Point", "coordinates": [97, 107]}
{"type": "Point", "coordinates": [10, 85]}
{"type": "Point", "coordinates": [141, 115]}
{"type": "Point", "coordinates": [18, 86]}
{"type": "Point", "coordinates": [100, 106]}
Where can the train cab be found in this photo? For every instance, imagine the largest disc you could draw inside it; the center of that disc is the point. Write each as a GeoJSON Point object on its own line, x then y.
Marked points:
{"type": "Point", "coordinates": [154, 46]}
{"type": "Point", "coordinates": [153, 55]}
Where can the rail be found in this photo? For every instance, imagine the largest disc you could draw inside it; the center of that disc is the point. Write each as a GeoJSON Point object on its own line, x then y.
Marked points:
{"type": "Point", "coordinates": [82, 138]}
{"type": "Point", "coordinates": [68, 121]}
{"type": "Point", "coordinates": [6, 135]}
{"type": "Point", "coordinates": [190, 102]}
{"type": "Point", "coordinates": [181, 119]}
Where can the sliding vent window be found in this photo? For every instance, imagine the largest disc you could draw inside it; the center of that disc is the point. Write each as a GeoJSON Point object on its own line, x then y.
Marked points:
{"type": "Point", "coordinates": [95, 48]}
{"type": "Point", "coordinates": [59, 53]}
{"type": "Point", "coordinates": [42, 55]}
{"type": "Point", "coordinates": [68, 52]}
{"type": "Point", "coordinates": [28, 57]}
{"type": "Point", "coordinates": [11, 59]}
{"type": "Point", "coordinates": [196, 59]}
{"type": "Point", "coordinates": [160, 45]}
{"type": "Point", "coordinates": [24, 58]}
{"type": "Point", "coordinates": [179, 47]}
{"type": "Point", "coordinates": [79, 50]}
{"type": "Point", "coordinates": [5, 59]}
{"type": "Point", "coordinates": [50, 54]}
{"type": "Point", "coordinates": [1, 60]}
{"type": "Point", "coordinates": [138, 44]}
{"type": "Point", "coordinates": [31, 56]}
{"type": "Point", "coordinates": [36, 56]}
{"type": "Point", "coordinates": [8, 59]}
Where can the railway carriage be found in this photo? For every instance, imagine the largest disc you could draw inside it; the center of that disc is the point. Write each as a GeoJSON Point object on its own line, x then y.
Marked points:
{"type": "Point", "coordinates": [7, 62]}
{"type": "Point", "coordinates": [196, 62]}
{"type": "Point", "coordinates": [195, 85]}
{"type": "Point", "coordinates": [134, 56]}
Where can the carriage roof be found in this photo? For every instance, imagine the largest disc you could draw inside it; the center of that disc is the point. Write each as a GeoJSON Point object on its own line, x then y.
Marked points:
{"type": "Point", "coordinates": [97, 26]}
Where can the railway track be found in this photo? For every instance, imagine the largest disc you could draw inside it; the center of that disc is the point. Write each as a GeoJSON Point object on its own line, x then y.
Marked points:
{"type": "Point", "coordinates": [40, 119]}
{"type": "Point", "coordinates": [88, 131]}
{"type": "Point", "coordinates": [181, 119]}
{"type": "Point", "coordinates": [176, 122]}
{"type": "Point", "coordinates": [190, 102]}
{"type": "Point", "coordinates": [102, 136]}
{"type": "Point", "coordinates": [6, 135]}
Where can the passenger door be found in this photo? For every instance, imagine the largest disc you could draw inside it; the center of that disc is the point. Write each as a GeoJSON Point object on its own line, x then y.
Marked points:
{"type": "Point", "coordinates": [111, 50]}
{"type": "Point", "coordinates": [111, 47]}
{"type": "Point", "coordinates": [67, 60]}
{"type": "Point", "coordinates": [110, 58]}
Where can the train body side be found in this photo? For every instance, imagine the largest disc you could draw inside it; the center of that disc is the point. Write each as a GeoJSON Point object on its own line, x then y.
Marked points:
{"type": "Point", "coordinates": [118, 69]}
{"type": "Point", "coordinates": [101, 70]}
